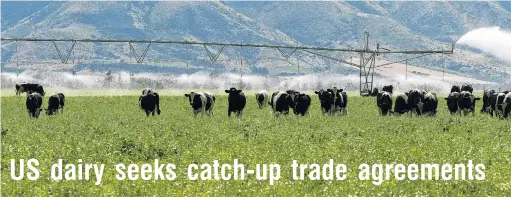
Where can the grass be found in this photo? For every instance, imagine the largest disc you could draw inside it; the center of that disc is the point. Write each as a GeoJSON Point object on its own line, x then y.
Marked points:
{"type": "Point", "coordinates": [112, 130]}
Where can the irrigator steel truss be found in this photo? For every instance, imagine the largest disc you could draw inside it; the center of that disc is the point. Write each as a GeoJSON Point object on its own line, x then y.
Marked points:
{"type": "Point", "coordinates": [366, 64]}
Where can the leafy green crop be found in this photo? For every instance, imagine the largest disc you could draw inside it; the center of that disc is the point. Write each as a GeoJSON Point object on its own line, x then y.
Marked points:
{"type": "Point", "coordinates": [112, 130]}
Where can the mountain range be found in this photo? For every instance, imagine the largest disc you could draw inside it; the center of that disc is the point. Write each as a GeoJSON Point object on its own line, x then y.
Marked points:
{"type": "Point", "coordinates": [396, 25]}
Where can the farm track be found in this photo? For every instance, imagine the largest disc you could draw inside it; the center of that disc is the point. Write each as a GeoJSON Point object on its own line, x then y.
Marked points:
{"type": "Point", "coordinates": [112, 130]}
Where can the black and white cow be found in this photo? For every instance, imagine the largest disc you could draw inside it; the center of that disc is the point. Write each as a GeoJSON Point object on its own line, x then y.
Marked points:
{"type": "Point", "coordinates": [339, 105]}
{"type": "Point", "coordinates": [455, 88]}
{"type": "Point", "coordinates": [467, 102]}
{"type": "Point", "coordinates": [467, 87]}
{"type": "Point", "coordinates": [340, 101]}
{"type": "Point", "coordinates": [496, 102]}
{"type": "Point", "coordinates": [430, 104]}
{"type": "Point", "coordinates": [149, 102]}
{"type": "Point", "coordinates": [281, 102]}
{"type": "Point", "coordinates": [55, 102]}
{"type": "Point", "coordinates": [29, 88]}
{"type": "Point", "coordinates": [237, 102]}
{"type": "Point", "coordinates": [401, 105]}
{"type": "Point", "coordinates": [34, 103]}
{"type": "Point", "coordinates": [326, 101]}
{"type": "Point", "coordinates": [487, 94]}
{"type": "Point", "coordinates": [201, 102]}
{"type": "Point", "coordinates": [384, 103]}
{"type": "Point", "coordinates": [301, 104]}
{"type": "Point", "coordinates": [452, 102]}
{"type": "Point", "coordinates": [261, 98]}
{"type": "Point", "coordinates": [506, 105]}
{"type": "Point", "coordinates": [415, 102]}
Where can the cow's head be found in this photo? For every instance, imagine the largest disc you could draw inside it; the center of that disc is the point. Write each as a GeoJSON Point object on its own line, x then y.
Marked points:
{"type": "Point", "coordinates": [147, 91]}
{"type": "Point", "coordinates": [385, 99]}
{"type": "Point", "coordinates": [191, 97]}
{"type": "Point", "coordinates": [232, 91]}
{"type": "Point", "coordinates": [325, 96]}
{"type": "Point", "coordinates": [299, 98]}
{"type": "Point", "coordinates": [294, 96]}
{"type": "Point", "coordinates": [388, 88]}
{"type": "Point", "coordinates": [467, 87]}
{"type": "Point", "coordinates": [49, 111]}
{"type": "Point", "coordinates": [455, 88]}
{"type": "Point", "coordinates": [335, 91]}
{"type": "Point", "coordinates": [319, 93]}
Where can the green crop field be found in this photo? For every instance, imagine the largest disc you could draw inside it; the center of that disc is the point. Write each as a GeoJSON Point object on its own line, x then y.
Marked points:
{"type": "Point", "coordinates": [112, 130]}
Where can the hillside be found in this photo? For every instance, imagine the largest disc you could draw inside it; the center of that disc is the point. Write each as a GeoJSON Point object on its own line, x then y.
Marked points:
{"type": "Point", "coordinates": [431, 25]}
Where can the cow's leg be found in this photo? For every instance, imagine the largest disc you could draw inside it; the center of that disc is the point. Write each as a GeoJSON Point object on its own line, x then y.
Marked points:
{"type": "Point", "coordinates": [147, 112]}
{"type": "Point", "coordinates": [229, 112]}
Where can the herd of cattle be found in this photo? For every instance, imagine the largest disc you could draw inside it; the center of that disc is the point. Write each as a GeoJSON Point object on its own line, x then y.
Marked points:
{"type": "Point", "coordinates": [332, 101]}
{"type": "Point", "coordinates": [460, 101]}
{"type": "Point", "coordinates": [35, 93]}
